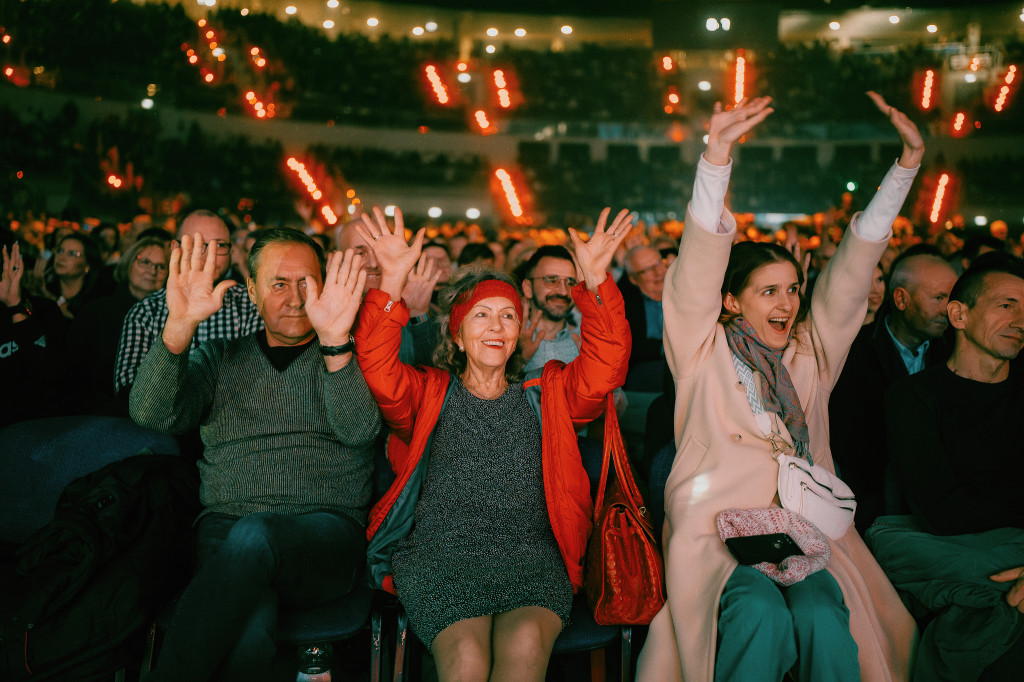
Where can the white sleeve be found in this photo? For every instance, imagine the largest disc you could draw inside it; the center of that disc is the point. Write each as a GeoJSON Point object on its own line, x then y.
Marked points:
{"type": "Point", "coordinates": [874, 223]}
{"type": "Point", "coordinates": [708, 201]}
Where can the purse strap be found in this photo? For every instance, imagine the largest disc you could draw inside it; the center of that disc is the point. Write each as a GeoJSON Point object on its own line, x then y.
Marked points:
{"type": "Point", "coordinates": [615, 453]}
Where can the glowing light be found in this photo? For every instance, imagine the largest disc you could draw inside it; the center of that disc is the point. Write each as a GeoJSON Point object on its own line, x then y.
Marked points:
{"type": "Point", "coordinates": [435, 212]}
{"type": "Point", "coordinates": [208, 78]}
{"type": "Point", "coordinates": [209, 35]}
{"type": "Point", "coordinates": [738, 90]}
{"type": "Point", "coordinates": [673, 97]}
{"type": "Point", "coordinates": [1004, 91]}
{"type": "Point", "coordinates": [6, 38]}
{"type": "Point", "coordinates": [667, 64]}
{"type": "Point", "coordinates": [464, 78]}
{"type": "Point", "coordinates": [372, 21]}
{"type": "Point", "coordinates": [520, 33]}
{"type": "Point", "coordinates": [492, 32]}
{"type": "Point", "coordinates": [834, 25]}
{"type": "Point", "coordinates": [21, 174]}
{"type": "Point", "coordinates": [317, 194]}
{"type": "Point", "coordinates": [851, 186]}
{"type": "Point", "coordinates": [218, 52]}
{"type": "Point", "coordinates": [350, 194]}
{"type": "Point", "coordinates": [926, 91]}
{"type": "Point", "coordinates": [980, 220]}
{"type": "Point", "coordinates": [290, 9]}
{"type": "Point", "coordinates": [261, 62]}
{"type": "Point", "coordinates": [462, 66]}
{"type": "Point", "coordinates": [328, 215]}
{"type": "Point", "coordinates": [711, 24]}
{"type": "Point", "coordinates": [940, 193]}
{"type": "Point", "coordinates": [726, 23]}
{"type": "Point", "coordinates": [499, 78]}
{"type": "Point", "coordinates": [431, 26]}
{"type": "Point", "coordinates": [147, 103]}
{"type": "Point", "coordinates": [328, 24]}
{"type": "Point", "coordinates": [213, 44]}
{"type": "Point", "coordinates": [958, 121]}
{"type": "Point", "coordinates": [931, 28]}
{"type": "Point", "coordinates": [333, 4]}
{"type": "Point", "coordinates": [481, 119]}
{"type": "Point", "coordinates": [490, 49]}
{"type": "Point", "coordinates": [254, 51]}
{"type": "Point", "coordinates": [193, 59]}
{"type": "Point", "coordinates": [704, 86]}
{"type": "Point", "coordinates": [472, 213]}
{"type": "Point", "coordinates": [510, 192]}
{"type": "Point", "coordinates": [440, 91]}
{"type": "Point", "coordinates": [893, 19]}
{"type": "Point", "coordinates": [245, 11]}
{"type": "Point", "coordinates": [418, 31]}
{"type": "Point", "coordinates": [970, 78]}
{"type": "Point", "coordinates": [566, 30]}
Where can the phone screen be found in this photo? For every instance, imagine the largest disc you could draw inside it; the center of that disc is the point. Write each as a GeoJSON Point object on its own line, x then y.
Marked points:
{"type": "Point", "coordinates": [756, 549]}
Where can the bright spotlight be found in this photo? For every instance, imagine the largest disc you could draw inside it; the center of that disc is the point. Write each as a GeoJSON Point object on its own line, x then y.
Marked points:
{"type": "Point", "coordinates": [464, 77]}
{"type": "Point", "coordinates": [372, 21]}
{"type": "Point", "coordinates": [490, 49]}
{"type": "Point", "coordinates": [980, 220]}
{"type": "Point", "coordinates": [434, 212]}
{"type": "Point", "coordinates": [418, 31]}
{"type": "Point", "coordinates": [566, 30]}
{"type": "Point", "coordinates": [711, 24]}
{"type": "Point", "coordinates": [328, 24]}
{"type": "Point", "coordinates": [726, 23]}
{"type": "Point", "coordinates": [834, 25]}
{"type": "Point", "coordinates": [147, 103]}
{"type": "Point", "coordinates": [430, 26]}
{"type": "Point", "coordinates": [472, 213]}
{"type": "Point", "coordinates": [492, 32]}
{"type": "Point", "coordinates": [970, 78]}
{"type": "Point", "coordinates": [893, 19]}
{"type": "Point", "coordinates": [333, 4]}
{"type": "Point", "coordinates": [931, 28]}
{"type": "Point", "coordinates": [290, 9]}
{"type": "Point", "coordinates": [389, 210]}
{"type": "Point", "coordinates": [704, 86]}
{"type": "Point", "coordinates": [851, 186]}
{"type": "Point", "coordinates": [520, 32]}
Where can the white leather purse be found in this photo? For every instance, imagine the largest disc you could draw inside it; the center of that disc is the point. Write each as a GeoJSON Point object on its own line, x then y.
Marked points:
{"type": "Point", "coordinates": [816, 494]}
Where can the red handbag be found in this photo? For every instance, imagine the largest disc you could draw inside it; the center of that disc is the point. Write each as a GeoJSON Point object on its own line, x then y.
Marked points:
{"type": "Point", "coordinates": [625, 574]}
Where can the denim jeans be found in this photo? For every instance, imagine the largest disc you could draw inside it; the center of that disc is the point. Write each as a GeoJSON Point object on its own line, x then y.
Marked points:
{"type": "Point", "coordinates": [225, 624]}
{"type": "Point", "coordinates": [764, 629]}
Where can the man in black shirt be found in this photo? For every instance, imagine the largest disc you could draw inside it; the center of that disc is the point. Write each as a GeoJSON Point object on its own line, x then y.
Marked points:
{"type": "Point", "coordinates": [956, 451]}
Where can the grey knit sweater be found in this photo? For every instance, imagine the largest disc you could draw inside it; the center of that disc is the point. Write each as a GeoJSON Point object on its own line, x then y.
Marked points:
{"type": "Point", "coordinates": [288, 442]}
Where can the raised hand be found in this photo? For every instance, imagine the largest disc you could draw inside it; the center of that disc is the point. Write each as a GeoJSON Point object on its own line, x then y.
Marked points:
{"type": "Point", "coordinates": [10, 278]}
{"type": "Point", "coordinates": [395, 256]}
{"type": "Point", "coordinates": [192, 292]}
{"type": "Point", "coordinates": [529, 336]}
{"type": "Point", "coordinates": [913, 143]}
{"type": "Point", "coordinates": [332, 311]}
{"type": "Point", "coordinates": [420, 286]}
{"type": "Point", "coordinates": [595, 255]}
{"type": "Point", "coordinates": [729, 126]}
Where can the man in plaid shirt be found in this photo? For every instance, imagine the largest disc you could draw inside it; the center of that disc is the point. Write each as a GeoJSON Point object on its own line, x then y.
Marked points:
{"type": "Point", "coordinates": [145, 321]}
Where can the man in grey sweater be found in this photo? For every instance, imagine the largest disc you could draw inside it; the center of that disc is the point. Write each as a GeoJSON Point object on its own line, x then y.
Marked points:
{"type": "Point", "coordinates": [288, 426]}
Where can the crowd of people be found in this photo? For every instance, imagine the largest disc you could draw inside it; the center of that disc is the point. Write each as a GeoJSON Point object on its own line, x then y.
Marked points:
{"type": "Point", "coordinates": [853, 348]}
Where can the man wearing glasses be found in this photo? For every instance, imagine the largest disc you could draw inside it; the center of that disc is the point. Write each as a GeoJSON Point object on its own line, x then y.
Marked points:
{"type": "Point", "coordinates": [550, 331]}
{"type": "Point", "coordinates": [238, 316]}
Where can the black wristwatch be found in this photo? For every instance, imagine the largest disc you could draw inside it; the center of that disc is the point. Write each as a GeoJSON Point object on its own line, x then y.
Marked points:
{"type": "Point", "coordinates": [21, 308]}
{"type": "Point", "coordinates": [339, 350]}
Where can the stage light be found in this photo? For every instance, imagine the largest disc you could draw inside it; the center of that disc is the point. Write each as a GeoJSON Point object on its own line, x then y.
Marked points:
{"type": "Point", "coordinates": [328, 24]}
{"type": "Point", "coordinates": [667, 64]}
{"type": "Point", "coordinates": [417, 31]}
{"type": "Point", "coordinates": [940, 193]}
{"type": "Point", "coordinates": [435, 212]}
{"type": "Point", "coordinates": [490, 49]}
{"type": "Point", "coordinates": [440, 91]}
{"type": "Point", "coordinates": [333, 4]}
{"type": "Point", "coordinates": [520, 32]}
{"type": "Point", "coordinates": [704, 86]}
{"type": "Point", "coordinates": [931, 28]}
{"type": "Point", "coordinates": [290, 9]}
{"type": "Point", "coordinates": [893, 19]}
{"type": "Point", "coordinates": [492, 32]}
{"type": "Point", "coordinates": [245, 11]}
{"type": "Point", "coordinates": [372, 21]}
{"type": "Point", "coordinates": [834, 25]}
{"type": "Point", "coordinates": [739, 84]}
{"type": "Point", "coordinates": [926, 90]}
{"type": "Point", "coordinates": [389, 210]}
{"type": "Point", "coordinates": [147, 103]}
{"type": "Point", "coordinates": [980, 220]}
{"type": "Point", "coordinates": [851, 186]}
{"type": "Point", "coordinates": [510, 192]}
{"type": "Point", "coordinates": [431, 26]}
{"type": "Point", "coordinates": [711, 24]}
{"type": "Point", "coordinates": [726, 23]}
{"type": "Point", "coordinates": [472, 213]}
{"type": "Point", "coordinates": [970, 78]}
{"type": "Point", "coordinates": [464, 78]}
{"type": "Point", "coordinates": [462, 66]}
{"type": "Point", "coordinates": [566, 30]}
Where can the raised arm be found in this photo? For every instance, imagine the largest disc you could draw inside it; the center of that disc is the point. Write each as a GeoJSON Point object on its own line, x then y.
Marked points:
{"type": "Point", "coordinates": [333, 310]}
{"type": "Point", "coordinates": [192, 295]}
{"type": "Point", "coordinates": [840, 295]}
{"type": "Point", "coordinates": [692, 297]}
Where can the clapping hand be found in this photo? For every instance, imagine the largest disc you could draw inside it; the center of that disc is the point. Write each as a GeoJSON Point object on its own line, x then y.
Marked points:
{"type": "Point", "coordinates": [729, 126]}
{"type": "Point", "coordinates": [332, 311]}
{"type": "Point", "coordinates": [913, 143]}
{"type": "Point", "coordinates": [10, 279]}
{"type": "Point", "coordinates": [395, 256]}
{"type": "Point", "coordinates": [595, 255]}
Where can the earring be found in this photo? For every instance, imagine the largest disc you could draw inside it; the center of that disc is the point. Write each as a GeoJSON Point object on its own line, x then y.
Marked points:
{"type": "Point", "coordinates": [462, 349]}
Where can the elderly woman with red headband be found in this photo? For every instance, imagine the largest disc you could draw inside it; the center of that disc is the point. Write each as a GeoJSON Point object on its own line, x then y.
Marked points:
{"type": "Point", "coordinates": [483, 534]}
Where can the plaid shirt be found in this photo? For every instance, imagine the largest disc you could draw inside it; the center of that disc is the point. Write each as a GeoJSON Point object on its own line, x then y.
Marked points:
{"type": "Point", "coordinates": [144, 323]}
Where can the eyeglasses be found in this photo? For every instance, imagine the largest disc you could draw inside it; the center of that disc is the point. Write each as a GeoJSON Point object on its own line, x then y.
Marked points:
{"type": "Point", "coordinates": [222, 247]}
{"type": "Point", "coordinates": [74, 253]}
{"type": "Point", "coordinates": [660, 265]}
{"type": "Point", "coordinates": [552, 281]}
{"type": "Point", "coordinates": [146, 263]}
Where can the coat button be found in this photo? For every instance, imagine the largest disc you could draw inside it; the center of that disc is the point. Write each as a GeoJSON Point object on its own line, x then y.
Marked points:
{"type": "Point", "coordinates": [736, 438]}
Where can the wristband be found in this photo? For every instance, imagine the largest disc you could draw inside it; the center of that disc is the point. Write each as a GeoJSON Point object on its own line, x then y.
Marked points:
{"type": "Point", "coordinates": [21, 308]}
{"type": "Point", "coordinates": [331, 351]}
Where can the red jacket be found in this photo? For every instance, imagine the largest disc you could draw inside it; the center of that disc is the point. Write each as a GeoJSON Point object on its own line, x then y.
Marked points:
{"type": "Point", "coordinates": [565, 396]}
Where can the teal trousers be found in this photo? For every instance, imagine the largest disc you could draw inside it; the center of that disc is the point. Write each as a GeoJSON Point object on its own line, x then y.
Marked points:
{"type": "Point", "coordinates": [765, 629]}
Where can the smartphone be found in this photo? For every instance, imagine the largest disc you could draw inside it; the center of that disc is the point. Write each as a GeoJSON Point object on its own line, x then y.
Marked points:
{"type": "Point", "coordinates": [755, 549]}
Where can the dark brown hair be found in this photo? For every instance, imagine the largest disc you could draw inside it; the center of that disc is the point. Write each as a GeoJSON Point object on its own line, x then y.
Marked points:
{"type": "Point", "coordinates": [744, 260]}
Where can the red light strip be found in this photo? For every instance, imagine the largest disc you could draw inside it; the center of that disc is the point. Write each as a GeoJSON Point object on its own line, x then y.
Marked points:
{"type": "Point", "coordinates": [940, 193]}
{"type": "Point", "coordinates": [440, 91]}
{"type": "Point", "coordinates": [741, 68]}
{"type": "Point", "coordinates": [510, 192]}
{"type": "Point", "coordinates": [926, 91]}
{"type": "Point", "coordinates": [1004, 91]}
{"type": "Point", "coordinates": [314, 192]}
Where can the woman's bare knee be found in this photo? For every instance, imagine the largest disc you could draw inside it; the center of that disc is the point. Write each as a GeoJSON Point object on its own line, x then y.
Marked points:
{"type": "Point", "coordinates": [523, 639]}
{"type": "Point", "coordinates": [462, 651]}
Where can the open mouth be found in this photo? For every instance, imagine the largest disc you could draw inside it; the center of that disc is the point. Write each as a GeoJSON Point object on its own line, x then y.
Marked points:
{"type": "Point", "coordinates": [494, 343]}
{"type": "Point", "coordinates": [779, 324]}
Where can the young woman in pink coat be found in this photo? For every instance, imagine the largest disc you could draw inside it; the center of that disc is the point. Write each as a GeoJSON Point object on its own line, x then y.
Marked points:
{"type": "Point", "coordinates": [752, 362]}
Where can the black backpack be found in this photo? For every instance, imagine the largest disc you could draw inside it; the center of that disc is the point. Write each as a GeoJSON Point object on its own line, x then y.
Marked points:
{"type": "Point", "coordinates": [117, 550]}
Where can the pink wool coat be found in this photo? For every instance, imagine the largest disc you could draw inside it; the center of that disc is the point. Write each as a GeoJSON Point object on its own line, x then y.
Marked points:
{"type": "Point", "coordinates": [723, 460]}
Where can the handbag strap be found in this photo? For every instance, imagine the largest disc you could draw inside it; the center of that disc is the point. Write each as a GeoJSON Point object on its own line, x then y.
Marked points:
{"type": "Point", "coordinates": [615, 453]}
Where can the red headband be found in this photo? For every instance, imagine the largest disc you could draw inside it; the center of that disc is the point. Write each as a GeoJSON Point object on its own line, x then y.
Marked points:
{"type": "Point", "coordinates": [485, 289]}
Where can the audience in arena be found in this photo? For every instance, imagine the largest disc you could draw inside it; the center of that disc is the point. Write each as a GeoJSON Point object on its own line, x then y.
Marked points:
{"type": "Point", "coordinates": [753, 365]}
{"type": "Point", "coordinates": [956, 453]}
{"type": "Point", "coordinates": [905, 341]}
{"type": "Point", "coordinates": [288, 427]}
{"type": "Point", "coordinates": [645, 270]}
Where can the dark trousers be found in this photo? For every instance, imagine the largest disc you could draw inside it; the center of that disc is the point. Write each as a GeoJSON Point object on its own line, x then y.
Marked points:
{"type": "Point", "coordinates": [225, 624]}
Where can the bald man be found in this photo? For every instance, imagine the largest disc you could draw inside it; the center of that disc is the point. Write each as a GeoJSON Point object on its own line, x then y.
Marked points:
{"type": "Point", "coordinates": [908, 339]}
{"type": "Point", "coordinates": [144, 323]}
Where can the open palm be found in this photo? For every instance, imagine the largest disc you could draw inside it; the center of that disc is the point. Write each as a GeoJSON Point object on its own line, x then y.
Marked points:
{"type": "Point", "coordinates": [332, 311]}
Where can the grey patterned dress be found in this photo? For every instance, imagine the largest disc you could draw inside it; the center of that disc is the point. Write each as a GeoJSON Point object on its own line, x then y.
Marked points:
{"type": "Point", "coordinates": [482, 542]}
